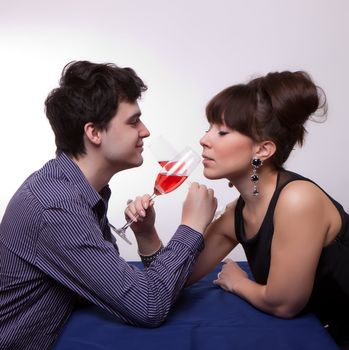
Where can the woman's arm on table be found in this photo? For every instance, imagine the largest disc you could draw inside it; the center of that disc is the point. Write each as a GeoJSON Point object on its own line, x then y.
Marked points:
{"type": "Point", "coordinates": [219, 241]}
{"type": "Point", "coordinates": [301, 226]}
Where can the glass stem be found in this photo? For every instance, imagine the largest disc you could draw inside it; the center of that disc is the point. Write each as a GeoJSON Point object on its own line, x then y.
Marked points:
{"type": "Point", "coordinates": [131, 221]}
{"type": "Point", "coordinates": [121, 231]}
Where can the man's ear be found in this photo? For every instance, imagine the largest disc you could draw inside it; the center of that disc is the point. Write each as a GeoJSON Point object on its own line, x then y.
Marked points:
{"type": "Point", "coordinates": [92, 133]}
{"type": "Point", "coordinates": [265, 150]}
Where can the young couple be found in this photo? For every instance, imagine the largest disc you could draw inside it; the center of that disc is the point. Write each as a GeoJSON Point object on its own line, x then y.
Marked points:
{"type": "Point", "coordinates": [55, 241]}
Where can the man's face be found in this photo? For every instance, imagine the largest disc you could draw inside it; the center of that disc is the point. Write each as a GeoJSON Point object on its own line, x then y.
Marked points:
{"type": "Point", "coordinates": [122, 141]}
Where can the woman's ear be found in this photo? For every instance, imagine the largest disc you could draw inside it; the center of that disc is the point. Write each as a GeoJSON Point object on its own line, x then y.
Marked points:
{"type": "Point", "coordinates": [265, 150]}
{"type": "Point", "coordinates": [92, 133]}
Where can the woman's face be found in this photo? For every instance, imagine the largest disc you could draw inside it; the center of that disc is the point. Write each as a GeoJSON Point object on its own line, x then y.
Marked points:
{"type": "Point", "coordinates": [227, 153]}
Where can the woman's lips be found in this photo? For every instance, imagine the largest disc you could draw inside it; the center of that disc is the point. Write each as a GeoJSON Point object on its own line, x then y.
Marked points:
{"type": "Point", "coordinates": [206, 160]}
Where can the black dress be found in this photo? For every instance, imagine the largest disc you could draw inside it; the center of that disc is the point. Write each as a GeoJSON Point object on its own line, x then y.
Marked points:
{"type": "Point", "coordinates": [330, 296]}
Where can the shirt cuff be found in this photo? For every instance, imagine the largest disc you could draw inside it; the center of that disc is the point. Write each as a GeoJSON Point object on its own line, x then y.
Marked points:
{"type": "Point", "coordinates": [192, 239]}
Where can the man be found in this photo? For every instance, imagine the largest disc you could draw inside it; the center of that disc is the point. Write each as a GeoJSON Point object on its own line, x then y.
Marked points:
{"type": "Point", "coordinates": [55, 242]}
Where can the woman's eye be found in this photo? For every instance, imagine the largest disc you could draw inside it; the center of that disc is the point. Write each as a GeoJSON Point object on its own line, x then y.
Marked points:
{"type": "Point", "coordinates": [222, 133]}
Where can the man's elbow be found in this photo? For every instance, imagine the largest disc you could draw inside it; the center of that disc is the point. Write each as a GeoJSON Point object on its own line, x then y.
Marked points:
{"type": "Point", "coordinates": [144, 322]}
{"type": "Point", "coordinates": [155, 321]}
{"type": "Point", "coordinates": [152, 319]}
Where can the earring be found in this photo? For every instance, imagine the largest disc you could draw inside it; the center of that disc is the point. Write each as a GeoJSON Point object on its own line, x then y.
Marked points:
{"type": "Point", "coordinates": [256, 164]}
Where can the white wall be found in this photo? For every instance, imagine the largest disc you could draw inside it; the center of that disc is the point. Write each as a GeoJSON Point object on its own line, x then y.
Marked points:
{"type": "Point", "coordinates": [186, 51]}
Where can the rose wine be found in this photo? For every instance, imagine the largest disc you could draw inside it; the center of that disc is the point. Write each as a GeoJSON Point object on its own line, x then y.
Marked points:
{"type": "Point", "coordinates": [173, 167]}
{"type": "Point", "coordinates": [171, 175]}
{"type": "Point", "coordinates": [167, 183]}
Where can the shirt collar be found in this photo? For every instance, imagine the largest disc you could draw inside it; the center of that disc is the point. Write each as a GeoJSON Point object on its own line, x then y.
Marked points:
{"type": "Point", "coordinates": [74, 174]}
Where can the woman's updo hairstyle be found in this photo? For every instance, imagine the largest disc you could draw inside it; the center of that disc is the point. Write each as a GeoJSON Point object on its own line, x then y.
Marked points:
{"type": "Point", "coordinates": [274, 107]}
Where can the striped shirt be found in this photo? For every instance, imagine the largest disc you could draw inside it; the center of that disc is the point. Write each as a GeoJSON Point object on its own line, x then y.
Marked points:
{"type": "Point", "coordinates": [55, 247]}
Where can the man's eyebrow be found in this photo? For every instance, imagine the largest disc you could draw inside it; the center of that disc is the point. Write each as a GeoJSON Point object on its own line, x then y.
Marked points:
{"type": "Point", "coordinates": [134, 116]}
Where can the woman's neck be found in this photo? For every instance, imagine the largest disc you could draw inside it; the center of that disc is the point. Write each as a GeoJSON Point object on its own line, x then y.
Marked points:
{"type": "Point", "coordinates": [256, 207]}
{"type": "Point", "coordinates": [266, 186]}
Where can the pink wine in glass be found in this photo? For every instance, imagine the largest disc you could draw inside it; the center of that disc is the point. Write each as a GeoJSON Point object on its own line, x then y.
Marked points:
{"type": "Point", "coordinates": [167, 183]}
{"type": "Point", "coordinates": [172, 175]}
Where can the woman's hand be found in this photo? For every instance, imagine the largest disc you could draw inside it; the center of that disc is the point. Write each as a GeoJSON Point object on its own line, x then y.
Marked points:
{"type": "Point", "coordinates": [199, 207]}
{"type": "Point", "coordinates": [230, 276]}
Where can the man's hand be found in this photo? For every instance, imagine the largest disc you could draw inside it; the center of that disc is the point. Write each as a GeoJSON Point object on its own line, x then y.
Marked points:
{"type": "Point", "coordinates": [142, 211]}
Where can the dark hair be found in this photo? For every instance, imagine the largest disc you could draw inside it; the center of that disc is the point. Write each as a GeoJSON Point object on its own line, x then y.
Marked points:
{"type": "Point", "coordinates": [88, 92]}
{"type": "Point", "coordinates": [274, 107]}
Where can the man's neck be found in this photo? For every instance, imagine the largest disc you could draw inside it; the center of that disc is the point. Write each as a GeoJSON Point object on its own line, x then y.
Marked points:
{"type": "Point", "coordinates": [94, 170]}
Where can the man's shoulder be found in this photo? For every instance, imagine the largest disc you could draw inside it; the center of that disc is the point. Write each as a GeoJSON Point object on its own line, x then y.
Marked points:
{"type": "Point", "coordinates": [49, 185]}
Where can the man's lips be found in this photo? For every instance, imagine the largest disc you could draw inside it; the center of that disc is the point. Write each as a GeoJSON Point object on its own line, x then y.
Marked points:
{"type": "Point", "coordinates": [140, 146]}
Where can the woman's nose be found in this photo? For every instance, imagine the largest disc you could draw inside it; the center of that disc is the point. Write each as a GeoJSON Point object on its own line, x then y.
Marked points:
{"type": "Point", "coordinates": [204, 140]}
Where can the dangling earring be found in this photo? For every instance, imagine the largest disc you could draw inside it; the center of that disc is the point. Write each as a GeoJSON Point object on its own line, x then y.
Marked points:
{"type": "Point", "coordinates": [256, 164]}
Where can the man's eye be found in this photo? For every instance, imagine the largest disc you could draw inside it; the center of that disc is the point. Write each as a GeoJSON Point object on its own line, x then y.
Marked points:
{"type": "Point", "coordinates": [223, 133]}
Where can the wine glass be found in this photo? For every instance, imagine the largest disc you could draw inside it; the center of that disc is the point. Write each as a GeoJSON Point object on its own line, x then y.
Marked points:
{"type": "Point", "coordinates": [172, 174]}
{"type": "Point", "coordinates": [162, 150]}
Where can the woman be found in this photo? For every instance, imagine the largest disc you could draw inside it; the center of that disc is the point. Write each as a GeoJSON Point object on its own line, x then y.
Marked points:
{"type": "Point", "coordinates": [295, 236]}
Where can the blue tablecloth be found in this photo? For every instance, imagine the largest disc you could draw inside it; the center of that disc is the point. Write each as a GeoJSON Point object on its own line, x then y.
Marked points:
{"type": "Point", "coordinates": [205, 317]}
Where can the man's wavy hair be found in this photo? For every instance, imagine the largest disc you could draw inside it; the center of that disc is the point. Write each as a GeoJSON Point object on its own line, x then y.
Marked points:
{"type": "Point", "coordinates": [88, 92]}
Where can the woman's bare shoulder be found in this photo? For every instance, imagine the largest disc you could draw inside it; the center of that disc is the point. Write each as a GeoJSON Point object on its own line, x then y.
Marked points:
{"type": "Point", "coordinates": [224, 224]}
{"type": "Point", "coordinates": [301, 194]}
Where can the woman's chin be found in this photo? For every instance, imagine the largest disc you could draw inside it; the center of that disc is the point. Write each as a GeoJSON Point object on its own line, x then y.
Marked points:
{"type": "Point", "coordinates": [211, 176]}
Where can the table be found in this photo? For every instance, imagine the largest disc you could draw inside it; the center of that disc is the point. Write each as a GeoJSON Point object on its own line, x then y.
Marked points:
{"type": "Point", "coordinates": [205, 317]}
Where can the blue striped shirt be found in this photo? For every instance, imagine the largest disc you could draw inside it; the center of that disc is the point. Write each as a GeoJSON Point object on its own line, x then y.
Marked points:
{"type": "Point", "coordinates": [55, 247]}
